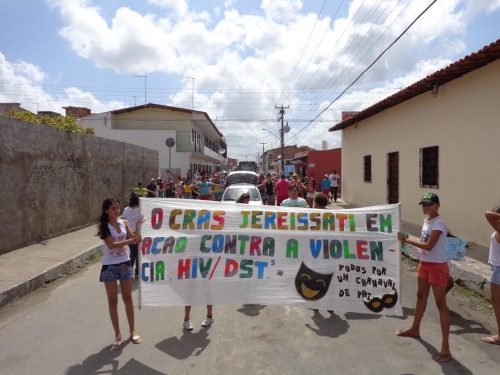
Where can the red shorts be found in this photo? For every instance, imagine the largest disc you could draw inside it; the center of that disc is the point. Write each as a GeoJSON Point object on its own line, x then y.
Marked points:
{"type": "Point", "coordinates": [434, 273]}
{"type": "Point", "coordinates": [205, 197]}
{"type": "Point", "coordinates": [326, 192]}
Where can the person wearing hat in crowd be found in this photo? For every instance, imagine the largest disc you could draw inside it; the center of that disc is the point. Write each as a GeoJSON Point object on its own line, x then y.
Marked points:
{"type": "Point", "coordinates": [298, 183]}
{"type": "Point", "coordinates": [433, 272]}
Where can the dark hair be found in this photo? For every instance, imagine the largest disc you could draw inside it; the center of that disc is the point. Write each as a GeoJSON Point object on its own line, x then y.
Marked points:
{"type": "Point", "coordinates": [496, 209]}
{"type": "Point", "coordinates": [133, 200]}
{"type": "Point", "coordinates": [292, 186]}
{"type": "Point", "coordinates": [321, 199]}
{"type": "Point", "coordinates": [140, 183]}
{"type": "Point", "coordinates": [243, 197]}
{"type": "Point", "coordinates": [102, 227]}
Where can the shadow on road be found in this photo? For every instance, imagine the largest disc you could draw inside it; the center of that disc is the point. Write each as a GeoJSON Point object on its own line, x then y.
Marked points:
{"type": "Point", "coordinates": [467, 325]}
{"type": "Point", "coordinates": [251, 310]}
{"type": "Point", "coordinates": [406, 313]}
{"type": "Point", "coordinates": [361, 316]}
{"type": "Point", "coordinates": [189, 344]}
{"type": "Point", "coordinates": [449, 368]}
{"type": "Point", "coordinates": [108, 359]}
{"type": "Point", "coordinates": [332, 326]}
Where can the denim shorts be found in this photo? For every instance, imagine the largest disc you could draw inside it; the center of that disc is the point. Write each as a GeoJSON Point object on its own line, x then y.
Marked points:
{"type": "Point", "coordinates": [495, 275]}
{"type": "Point", "coordinates": [113, 272]}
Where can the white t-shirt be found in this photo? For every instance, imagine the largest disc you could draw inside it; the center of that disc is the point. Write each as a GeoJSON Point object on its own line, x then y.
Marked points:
{"type": "Point", "coordinates": [115, 256]}
{"type": "Point", "coordinates": [334, 179]}
{"type": "Point", "coordinates": [436, 254]}
{"type": "Point", "coordinates": [132, 215]}
{"type": "Point", "coordinates": [494, 258]}
{"type": "Point", "coordinates": [299, 202]}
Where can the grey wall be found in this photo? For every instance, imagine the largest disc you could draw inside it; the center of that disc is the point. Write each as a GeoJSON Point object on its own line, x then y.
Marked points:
{"type": "Point", "coordinates": [53, 181]}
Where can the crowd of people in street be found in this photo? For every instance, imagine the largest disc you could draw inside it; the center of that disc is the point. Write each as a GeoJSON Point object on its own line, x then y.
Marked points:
{"type": "Point", "coordinates": [119, 230]}
{"type": "Point", "coordinates": [273, 188]}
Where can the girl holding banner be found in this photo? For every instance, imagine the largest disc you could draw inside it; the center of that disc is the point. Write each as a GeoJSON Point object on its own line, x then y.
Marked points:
{"type": "Point", "coordinates": [116, 266]}
{"type": "Point", "coordinates": [433, 272]}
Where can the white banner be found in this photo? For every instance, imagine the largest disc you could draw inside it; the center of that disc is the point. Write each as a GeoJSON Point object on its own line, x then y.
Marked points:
{"type": "Point", "coordinates": [203, 252]}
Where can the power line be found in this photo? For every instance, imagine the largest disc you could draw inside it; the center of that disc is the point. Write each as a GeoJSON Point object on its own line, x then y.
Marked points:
{"type": "Point", "coordinates": [364, 71]}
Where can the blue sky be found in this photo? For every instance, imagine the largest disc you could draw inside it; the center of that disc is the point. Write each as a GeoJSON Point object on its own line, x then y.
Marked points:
{"type": "Point", "coordinates": [242, 55]}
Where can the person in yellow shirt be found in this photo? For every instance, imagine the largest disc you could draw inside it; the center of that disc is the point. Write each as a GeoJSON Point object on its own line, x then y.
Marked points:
{"type": "Point", "coordinates": [188, 190]}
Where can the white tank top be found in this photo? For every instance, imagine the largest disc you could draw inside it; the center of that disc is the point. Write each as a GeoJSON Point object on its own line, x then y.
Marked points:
{"type": "Point", "coordinates": [115, 256]}
{"type": "Point", "coordinates": [494, 258]}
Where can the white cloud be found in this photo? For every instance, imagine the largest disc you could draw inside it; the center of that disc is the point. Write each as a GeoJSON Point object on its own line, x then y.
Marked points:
{"type": "Point", "coordinates": [180, 7]}
{"type": "Point", "coordinates": [252, 56]}
{"type": "Point", "coordinates": [21, 83]}
{"type": "Point", "coordinates": [30, 71]}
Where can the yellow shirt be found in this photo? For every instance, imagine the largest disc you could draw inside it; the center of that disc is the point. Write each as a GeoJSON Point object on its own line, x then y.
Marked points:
{"type": "Point", "coordinates": [187, 189]}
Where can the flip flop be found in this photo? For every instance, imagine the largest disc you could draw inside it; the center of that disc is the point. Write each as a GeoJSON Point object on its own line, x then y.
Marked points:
{"type": "Point", "coordinates": [404, 333]}
{"type": "Point", "coordinates": [443, 357]}
{"type": "Point", "coordinates": [491, 340]}
{"type": "Point", "coordinates": [136, 339]}
{"type": "Point", "coordinates": [117, 345]}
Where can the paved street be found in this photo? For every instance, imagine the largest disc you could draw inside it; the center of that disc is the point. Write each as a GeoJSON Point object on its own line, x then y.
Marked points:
{"type": "Point", "coordinates": [65, 329]}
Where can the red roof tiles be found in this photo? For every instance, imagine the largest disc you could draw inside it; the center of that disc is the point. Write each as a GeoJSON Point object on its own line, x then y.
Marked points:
{"type": "Point", "coordinates": [459, 68]}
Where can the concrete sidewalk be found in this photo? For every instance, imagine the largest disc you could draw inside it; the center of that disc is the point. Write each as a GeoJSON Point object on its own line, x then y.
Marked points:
{"type": "Point", "coordinates": [24, 270]}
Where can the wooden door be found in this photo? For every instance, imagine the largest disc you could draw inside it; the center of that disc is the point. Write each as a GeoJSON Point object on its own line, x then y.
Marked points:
{"type": "Point", "coordinates": [393, 177]}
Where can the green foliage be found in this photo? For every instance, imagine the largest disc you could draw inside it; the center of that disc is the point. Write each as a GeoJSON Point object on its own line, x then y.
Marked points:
{"type": "Point", "coordinates": [60, 122]}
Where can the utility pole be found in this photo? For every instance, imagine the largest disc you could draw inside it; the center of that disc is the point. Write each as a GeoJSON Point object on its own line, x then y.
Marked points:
{"type": "Point", "coordinates": [282, 118]}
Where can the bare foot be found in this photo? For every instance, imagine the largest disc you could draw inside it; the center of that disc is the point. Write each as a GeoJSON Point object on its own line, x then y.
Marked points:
{"type": "Point", "coordinates": [408, 333]}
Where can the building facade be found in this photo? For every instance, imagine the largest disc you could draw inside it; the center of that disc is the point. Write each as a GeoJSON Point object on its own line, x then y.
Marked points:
{"type": "Point", "coordinates": [438, 135]}
{"type": "Point", "coordinates": [197, 143]}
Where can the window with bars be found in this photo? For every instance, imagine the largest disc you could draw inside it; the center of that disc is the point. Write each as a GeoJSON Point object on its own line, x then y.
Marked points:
{"type": "Point", "coordinates": [429, 167]}
{"type": "Point", "coordinates": [367, 168]}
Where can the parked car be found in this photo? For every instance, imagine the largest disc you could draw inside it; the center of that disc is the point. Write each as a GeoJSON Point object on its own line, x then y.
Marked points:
{"type": "Point", "coordinates": [242, 177]}
{"type": "Point", "coordinates": [233, 192]}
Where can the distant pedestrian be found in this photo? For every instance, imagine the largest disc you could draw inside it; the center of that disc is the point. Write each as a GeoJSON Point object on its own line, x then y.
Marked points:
{"type": "Point", "coordinates": [269, 190]}
{"type": "Point", "coordinates": [433, 272]}
{"type": "Point", "coordinates": [325, 185]}
{"type": "Point", "coordinates": [140, 190]}
{"type": "Point", "coordinates": [116, 266]}
{"type": "Point", "coordinates": [493, 218]}
{"type": "Point", "coordinates": [294, 200]}
{"type": "Point", "coordinates": [205, 188]}
{"type": "Point", "coordinates": [132, 215]}
{"type": "Point", "coordinates": [281, 189]}
{"type": "Point", "coordinates": [334, 184]}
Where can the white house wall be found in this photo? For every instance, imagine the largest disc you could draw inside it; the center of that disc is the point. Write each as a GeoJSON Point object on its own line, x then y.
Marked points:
{"type": "Point", "coordinates": [153, 139]}
{"type": "Point", "coordinates": [464, 122]}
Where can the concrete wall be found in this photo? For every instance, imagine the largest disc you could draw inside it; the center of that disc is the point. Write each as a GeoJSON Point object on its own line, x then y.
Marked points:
{"type": "Point", "coordinates": [463, 122]}
{"type": "Point", "coordinates": [53, 181]}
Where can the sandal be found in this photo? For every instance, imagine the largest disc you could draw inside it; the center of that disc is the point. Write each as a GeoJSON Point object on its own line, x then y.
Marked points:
{"type": "Point", "coordinates": [117, 345]}
{"type": "Point", "coordinates": [491, 340]}
{"type": "Point", "coordinates": [443, 357]}
{"type": "Point", "coordinates": [136, 339]}
{"type": "Point", "coordinates": [405, 333]}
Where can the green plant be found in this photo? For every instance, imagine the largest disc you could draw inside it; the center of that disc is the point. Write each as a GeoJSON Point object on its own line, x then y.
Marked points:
{"type": "Point", "coordinates": [61, 122]}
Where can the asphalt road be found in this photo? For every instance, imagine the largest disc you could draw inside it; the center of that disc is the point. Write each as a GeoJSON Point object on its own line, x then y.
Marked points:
{"type": "Point", "coordinates": [65, 329]}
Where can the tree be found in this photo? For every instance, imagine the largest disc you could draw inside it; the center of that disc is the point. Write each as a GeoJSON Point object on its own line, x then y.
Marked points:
{"type": "Point", "coordinates": [60, 122]}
